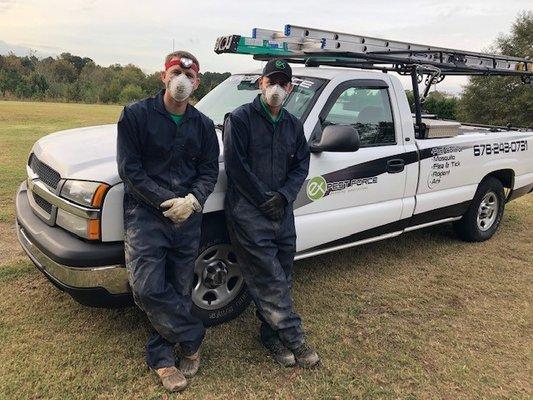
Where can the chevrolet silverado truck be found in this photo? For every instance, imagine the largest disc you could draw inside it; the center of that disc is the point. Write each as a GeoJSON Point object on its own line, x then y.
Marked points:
{"type": "Point", "coordinates": [370, 178]}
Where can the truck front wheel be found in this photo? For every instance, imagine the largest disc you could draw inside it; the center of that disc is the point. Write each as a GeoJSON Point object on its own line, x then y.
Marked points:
{"type": "Point", "coordinates": [484, 214]}
{"type": "Point", "coordinates": [219, 292]}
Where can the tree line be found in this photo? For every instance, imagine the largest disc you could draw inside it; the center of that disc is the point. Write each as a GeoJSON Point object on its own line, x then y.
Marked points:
{"type": "Point", "coordinates": [71, 78]}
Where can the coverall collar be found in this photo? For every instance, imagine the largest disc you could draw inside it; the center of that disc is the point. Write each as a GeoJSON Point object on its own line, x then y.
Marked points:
{"type": "Point", "coordinates": [159, 105]}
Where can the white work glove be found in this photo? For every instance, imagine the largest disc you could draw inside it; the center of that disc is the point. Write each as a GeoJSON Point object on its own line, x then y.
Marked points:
{"type": "Point", "coordinates": [180, 208]}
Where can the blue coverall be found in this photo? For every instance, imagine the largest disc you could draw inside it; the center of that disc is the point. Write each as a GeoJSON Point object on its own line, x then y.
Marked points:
{"type": "Point", "coordinates": [159, 160]}
{"type": "Point", "coordinates": [261, 156]}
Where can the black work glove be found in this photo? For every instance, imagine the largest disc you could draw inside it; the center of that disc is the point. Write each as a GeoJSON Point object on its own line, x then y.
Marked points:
{"type": "Point", "coordinates": [274, 207]}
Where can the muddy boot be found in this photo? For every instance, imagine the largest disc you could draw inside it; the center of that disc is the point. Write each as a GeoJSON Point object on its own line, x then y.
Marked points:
{"type": "Point", "coordinates": [281, 354]}
{"type": "Point", "coordinates": [172, 379]}
{"type": "Point", "coordinates": [305, 356]}
{"type": "Point", "coordinates": [189, 364]}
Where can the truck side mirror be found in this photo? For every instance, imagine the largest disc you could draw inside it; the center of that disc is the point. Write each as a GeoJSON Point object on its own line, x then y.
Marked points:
{"type": "Point", "coordinates": [337, 138]}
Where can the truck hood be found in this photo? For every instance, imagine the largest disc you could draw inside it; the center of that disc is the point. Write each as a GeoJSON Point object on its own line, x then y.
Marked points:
{"type": "Point", "coordinates": [83, 153]}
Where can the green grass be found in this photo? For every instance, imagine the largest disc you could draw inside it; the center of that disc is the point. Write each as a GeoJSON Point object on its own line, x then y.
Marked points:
{"type": "Point", "coordinates": [422, 316]}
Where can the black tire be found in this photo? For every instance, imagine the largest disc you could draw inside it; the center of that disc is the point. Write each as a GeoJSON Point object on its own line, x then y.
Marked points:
{"type": "Point", "coordinates": [215, 241]}
{"type": "Point", "coordinates": [480, 223]}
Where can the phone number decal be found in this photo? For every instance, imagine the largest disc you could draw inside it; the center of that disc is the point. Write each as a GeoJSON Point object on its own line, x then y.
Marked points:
{"type": "Point", "coordinates": [497, 148]}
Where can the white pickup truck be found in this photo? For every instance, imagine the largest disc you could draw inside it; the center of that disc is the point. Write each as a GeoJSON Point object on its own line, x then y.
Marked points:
{"type": "Point", "coordinates": [387, 182]}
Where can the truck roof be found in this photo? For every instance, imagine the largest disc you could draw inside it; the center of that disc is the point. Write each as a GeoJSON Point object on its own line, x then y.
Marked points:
{"type": "Point", "coordinates": [326, 72]}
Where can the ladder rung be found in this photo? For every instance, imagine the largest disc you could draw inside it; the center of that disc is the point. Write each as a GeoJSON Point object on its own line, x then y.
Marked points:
{"type": "Point", "coordinates": [318, 34]}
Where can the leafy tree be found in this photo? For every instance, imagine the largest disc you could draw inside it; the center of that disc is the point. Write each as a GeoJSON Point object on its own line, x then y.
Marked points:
{"type": "Point", "coordinates": [131, 75]}
{"type": "Point", "coordinates": [152, 84]}
{"type": "Point", "coordinates": [23, 90]}
{"type": "Point", "coordinates": [37, 84]}
{"type": "Point", "coordinates": [76, 61]}
{"type": "Point", "coordinates": [208, 80]}
{"type": "Point", "coordinates": [131, 93]}
{"type": "Point", "coordinates": [503, 100]}
{"type": "Point", "coordinates": [444, 106]}
{"type": "Point", "coordinates": [73, 92]}
{"type": "Point", "coordinates": [63, 71]}
{"type": "Point", "coordinates": [29, 62]}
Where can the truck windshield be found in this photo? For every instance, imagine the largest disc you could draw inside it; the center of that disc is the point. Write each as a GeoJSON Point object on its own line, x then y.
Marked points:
{"type": "Point", "coordinates": [240, 89]}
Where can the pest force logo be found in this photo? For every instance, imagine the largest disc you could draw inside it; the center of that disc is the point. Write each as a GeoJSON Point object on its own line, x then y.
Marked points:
{"type": "Point", "coordinates": [316, 188]}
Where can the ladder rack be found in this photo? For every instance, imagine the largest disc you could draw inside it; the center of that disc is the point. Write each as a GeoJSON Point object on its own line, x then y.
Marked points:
{"type": "Point", "coordinates": [322, 47]}
{"type": "Point", "coordinates": [315, 47]}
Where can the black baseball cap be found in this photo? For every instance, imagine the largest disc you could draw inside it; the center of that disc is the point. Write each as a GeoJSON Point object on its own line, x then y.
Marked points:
{"type": "Point", "coordinates": [278, 66]}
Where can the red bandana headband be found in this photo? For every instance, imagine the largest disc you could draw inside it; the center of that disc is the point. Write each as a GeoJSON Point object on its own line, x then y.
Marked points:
{"type": "Point", "coordinates": [182, 62]}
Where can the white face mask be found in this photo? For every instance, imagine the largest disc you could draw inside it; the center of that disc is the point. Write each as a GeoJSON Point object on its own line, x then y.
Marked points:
{"type": "Point", "coordinates": [180, 87]}
{"type": "Point", "coordinates": [275, 95]}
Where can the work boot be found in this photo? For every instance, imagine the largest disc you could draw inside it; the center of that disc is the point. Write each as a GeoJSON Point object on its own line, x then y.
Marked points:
{"type": "Point", "coordinates": [189, 364]}
{"type": "Point", "coordinates": [305, 356]}
{"type": "Point", "coordinates": [172, 379]}
{"type": "Point", "coordinates": [281, 354]}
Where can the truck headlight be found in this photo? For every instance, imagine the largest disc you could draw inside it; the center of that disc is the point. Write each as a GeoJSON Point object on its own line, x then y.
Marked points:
{"type": "Point", "coordinates": [85, 193]}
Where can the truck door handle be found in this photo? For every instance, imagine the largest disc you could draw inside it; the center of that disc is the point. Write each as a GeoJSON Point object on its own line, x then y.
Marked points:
{"type": "Point", "coordinates": [395, 165]}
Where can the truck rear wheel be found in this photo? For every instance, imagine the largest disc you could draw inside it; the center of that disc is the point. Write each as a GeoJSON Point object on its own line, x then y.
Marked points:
{"type": "Point", "coordinates": [483, 217]}
{"type": "Point", "coordinates": [219, 292]}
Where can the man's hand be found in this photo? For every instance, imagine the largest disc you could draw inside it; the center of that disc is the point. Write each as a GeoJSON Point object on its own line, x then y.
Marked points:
{"type": "Point", "coordinates": [180, 208]}
{"type": "Point", "coordinates": [274, 207]}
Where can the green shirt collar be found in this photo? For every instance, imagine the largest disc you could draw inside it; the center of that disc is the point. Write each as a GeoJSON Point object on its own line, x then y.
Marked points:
{"type": "Point", "coordinates": [176, 118]}
{"type": "Point", "coordinates": [267, 111]}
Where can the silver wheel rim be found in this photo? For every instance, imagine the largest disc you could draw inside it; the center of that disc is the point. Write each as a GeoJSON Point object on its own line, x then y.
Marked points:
{"type": "Point", "coordinates": [212, 291]}
{"type": "Point", "coordinates": [487, 211]}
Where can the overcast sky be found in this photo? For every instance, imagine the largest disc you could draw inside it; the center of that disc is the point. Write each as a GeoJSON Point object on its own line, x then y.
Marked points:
{"type": "Point", "coordinates": [141, 32]}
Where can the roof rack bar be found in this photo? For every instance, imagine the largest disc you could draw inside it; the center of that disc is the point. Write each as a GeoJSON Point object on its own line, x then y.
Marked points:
{"type": "Point", "coordinates": [420, 127]}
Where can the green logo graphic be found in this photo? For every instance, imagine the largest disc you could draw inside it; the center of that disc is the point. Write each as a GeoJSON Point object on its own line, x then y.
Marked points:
{"type": "Point", "coordinates": [316, 188]}
{"type": "Point", "coordinates": [280, 64]}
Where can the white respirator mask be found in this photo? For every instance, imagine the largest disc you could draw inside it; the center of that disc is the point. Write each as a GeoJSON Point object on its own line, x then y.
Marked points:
{"type": "Point", "coordinates": [180, 87]}
{"type": "Point", "coordinates": [275, 95]}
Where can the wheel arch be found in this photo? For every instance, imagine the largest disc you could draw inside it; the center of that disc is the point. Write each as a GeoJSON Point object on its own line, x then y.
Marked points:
{"type": "Point", "coordinates": [468, 228]}
{"type": "Point", "coordinates": [214, 225]}
{"type": "Point", "coordinates": [506, 177]}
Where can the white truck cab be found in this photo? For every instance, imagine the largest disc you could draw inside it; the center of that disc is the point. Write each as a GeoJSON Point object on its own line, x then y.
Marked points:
{"type": "Point", "coordinates": [70, 216]}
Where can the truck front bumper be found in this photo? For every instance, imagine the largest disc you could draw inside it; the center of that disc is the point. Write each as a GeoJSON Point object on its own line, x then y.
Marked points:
{"type": "Point", "coordinates": [92, 273]}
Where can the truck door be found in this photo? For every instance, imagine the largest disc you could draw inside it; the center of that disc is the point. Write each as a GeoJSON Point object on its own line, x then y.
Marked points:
{"type": "Point", "coordinates": [353, 196]}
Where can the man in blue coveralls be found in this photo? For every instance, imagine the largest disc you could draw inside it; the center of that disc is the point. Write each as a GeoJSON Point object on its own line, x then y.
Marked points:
{"type": "Point", "coordinates": [167, 155]}
{"type": "Point", "coordinates": [266, 158]}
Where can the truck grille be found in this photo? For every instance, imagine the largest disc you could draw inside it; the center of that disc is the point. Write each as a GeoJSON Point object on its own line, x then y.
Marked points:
{"type": "Point", "coordinates": [46, 206]}
{"type": "Point", "coordinates": [46, 174]}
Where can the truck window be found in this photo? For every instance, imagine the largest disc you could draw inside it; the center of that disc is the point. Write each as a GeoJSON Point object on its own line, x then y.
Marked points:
{"type": "Point", "coordinates": [369, 111]}
{"type": "Point", "coordinates": [240, 89]}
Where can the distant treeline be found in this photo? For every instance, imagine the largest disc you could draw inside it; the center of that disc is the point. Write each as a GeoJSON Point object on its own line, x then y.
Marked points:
{"type": "Point", "coordinates": [72, 78]}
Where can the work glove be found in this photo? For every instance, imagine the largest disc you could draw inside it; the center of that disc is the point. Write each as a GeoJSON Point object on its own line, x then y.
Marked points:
{"type": "Point", "coordinates": [180, 208]}
{"type": "Point", "coordinates": [274, 207]}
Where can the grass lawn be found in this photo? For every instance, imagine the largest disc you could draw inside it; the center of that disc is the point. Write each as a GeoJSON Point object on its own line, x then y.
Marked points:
{"type": "Point", "coordinates": [423, 316]}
